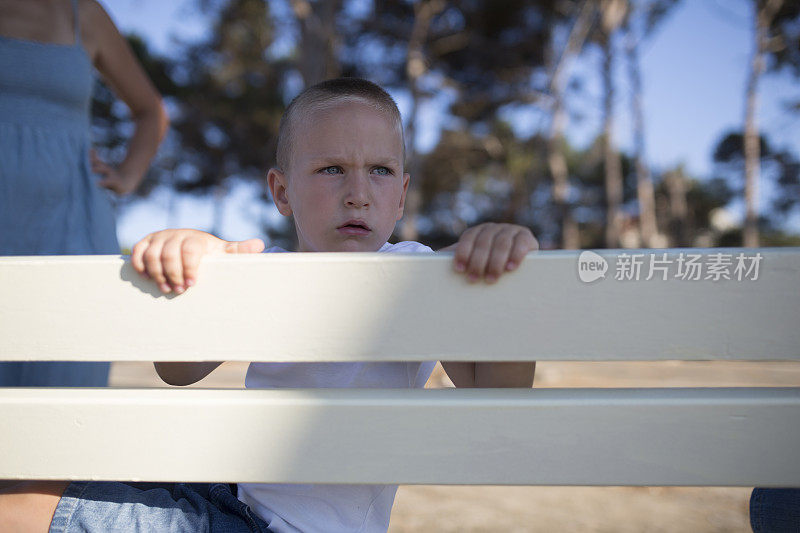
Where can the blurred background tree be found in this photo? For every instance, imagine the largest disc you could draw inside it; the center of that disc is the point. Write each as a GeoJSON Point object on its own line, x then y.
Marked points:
{"type": "Point", "coordinates": [776, 40]}
{"type": "Point", "coordinates": [499, 78]}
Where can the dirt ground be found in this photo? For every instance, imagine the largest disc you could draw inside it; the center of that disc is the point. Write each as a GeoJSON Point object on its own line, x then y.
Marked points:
{"type": "Point", "coordinates": [564, 509]}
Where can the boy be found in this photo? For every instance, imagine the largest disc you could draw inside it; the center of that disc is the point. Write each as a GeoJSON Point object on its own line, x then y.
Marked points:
{"type": "Point", "coordinates": [340, 174]}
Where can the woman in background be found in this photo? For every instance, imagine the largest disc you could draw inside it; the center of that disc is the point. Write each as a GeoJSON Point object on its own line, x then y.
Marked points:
{"type": "Point", "coordinates": [48, 193]}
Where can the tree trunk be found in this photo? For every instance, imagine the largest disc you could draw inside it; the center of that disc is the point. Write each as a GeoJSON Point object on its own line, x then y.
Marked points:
{"type": "Point", "coordinates": [762, 17]}
{"type": "Point", "coordinates": [675, 180]}
{"type": "Point", "coordinates": [409, 230]}
{"type": "Point", "coordinates": [415, 68]}
{"type": "Point", "coordinates": [612, 164]}
{"type": "Point", "coordinates": [645, 194]}
{"type": "Point", "coordinates": [318, 39]}
{"type": "Point", "coordinates": [556, 160]}
{"type": "Point", "coordinates": [612, 15]}
{"type": "Point", "coordinates": [557, 163]}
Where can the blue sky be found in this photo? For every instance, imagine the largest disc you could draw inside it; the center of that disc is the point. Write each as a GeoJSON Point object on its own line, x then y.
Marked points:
{"type": "Point", "coordinates": [694, 74]}
{"type": "Point", "coordinates": [694, 68]}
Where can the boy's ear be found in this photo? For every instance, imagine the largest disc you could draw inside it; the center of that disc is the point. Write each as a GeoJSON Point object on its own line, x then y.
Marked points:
{"type": "Point", "coordinates": [278, 186]}
{"type": "Point", "coordinates": [406, 181]}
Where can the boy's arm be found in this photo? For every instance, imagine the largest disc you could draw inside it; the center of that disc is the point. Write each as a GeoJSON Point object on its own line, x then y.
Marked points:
{"type": "Point", "coordinates": [171, 259]}
{"type": "Point", "coordinates": [488, 251]}
{"type": "Point", "coordinates": [184, 373]}
{"type": "Point", "coordinates": [490, 375]}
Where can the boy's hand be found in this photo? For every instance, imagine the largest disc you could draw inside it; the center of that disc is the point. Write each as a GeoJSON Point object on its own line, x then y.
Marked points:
{"type": "Point", "coordinates": [171, 257]}
{"type": "Point", "coordinates": [489, 250]}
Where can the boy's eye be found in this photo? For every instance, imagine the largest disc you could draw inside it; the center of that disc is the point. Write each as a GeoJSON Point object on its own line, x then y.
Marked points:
{"type": "Point", "coordinates": [331, 170]}
{"type": "Point", "coordinates": [381, 171]}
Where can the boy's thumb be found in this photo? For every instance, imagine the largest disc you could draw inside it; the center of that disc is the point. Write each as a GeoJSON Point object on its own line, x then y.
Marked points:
{"type": "Point", "coordinates": [250, 246]}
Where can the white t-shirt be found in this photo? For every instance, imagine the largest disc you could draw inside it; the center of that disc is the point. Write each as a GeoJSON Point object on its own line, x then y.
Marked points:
{"type": "Point", "coordinates": [325, 508]}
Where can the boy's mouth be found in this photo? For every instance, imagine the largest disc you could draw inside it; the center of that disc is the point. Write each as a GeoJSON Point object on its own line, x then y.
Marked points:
{"type": "Point", "coordinates": [354, 227]}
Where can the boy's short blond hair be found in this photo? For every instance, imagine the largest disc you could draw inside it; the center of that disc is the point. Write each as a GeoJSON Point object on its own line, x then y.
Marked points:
{"type": "Point", "coordinates": [326, 94]}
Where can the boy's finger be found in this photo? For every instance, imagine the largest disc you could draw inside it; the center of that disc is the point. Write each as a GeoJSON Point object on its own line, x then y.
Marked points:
{"type": "Point", "coordinates": [524, 242]}
{"type": "Point", "coordinates": [480, 252]}
{"type": "Point", "coordinates": [502, 246]}
{"type": "Point", "coordinates": [137, 252]}
{"type": "Point", "coordinates": [250, 246]}
{"type": "Point", "coordinates": [152, 263]}
{"type": "Point", "coordinates": [464, 248]}
{"type": "Point", "coordinates": [172, 262]}
{"type": "Point", "coordinates": [191, 254]}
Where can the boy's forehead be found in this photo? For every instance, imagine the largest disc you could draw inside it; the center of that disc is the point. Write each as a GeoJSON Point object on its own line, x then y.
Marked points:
{"type": "Point", "coordinates": [350, 109]}
{"type": "Point", "coordinates": [345, 120]}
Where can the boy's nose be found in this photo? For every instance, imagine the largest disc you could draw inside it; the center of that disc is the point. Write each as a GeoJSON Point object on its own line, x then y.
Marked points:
{"type": "Point", "coordinates": [358, 194]}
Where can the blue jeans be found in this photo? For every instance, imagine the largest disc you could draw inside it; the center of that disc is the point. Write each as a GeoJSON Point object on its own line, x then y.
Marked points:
{"type": "Point", "coordinates": [107, 506]}
{"type": "Point", "coordinates": [53, 374]}
{"type": "Point", "coordinates": [775, 510]}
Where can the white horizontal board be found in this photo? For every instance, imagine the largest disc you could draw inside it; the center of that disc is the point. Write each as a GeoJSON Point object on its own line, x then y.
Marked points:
{"type": "Point", "coordinates": [347, 307]}
{"type": "Point", "coordinates": [730, 436]}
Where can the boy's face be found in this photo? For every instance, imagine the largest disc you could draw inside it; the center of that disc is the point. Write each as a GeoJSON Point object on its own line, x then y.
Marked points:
{"type": "Point", "coordinates": [345, 183]}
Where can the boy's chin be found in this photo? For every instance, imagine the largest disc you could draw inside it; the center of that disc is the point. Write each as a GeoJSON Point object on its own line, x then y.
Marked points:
{"type": "Point", "coordinates": [357, 245]}
{"type": "Point", "coordinates": [347, 245]}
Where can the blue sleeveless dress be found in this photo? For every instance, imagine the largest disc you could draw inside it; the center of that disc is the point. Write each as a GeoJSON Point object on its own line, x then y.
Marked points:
{"type": "Point", "coordinates": [50, 203]}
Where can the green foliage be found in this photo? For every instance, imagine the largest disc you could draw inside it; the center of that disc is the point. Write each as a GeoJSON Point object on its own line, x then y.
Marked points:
{"type": "Point", "coordinates": [784, 36]}
{"type": "Point", "coordinates": [780, 167]}
{"type": "Point", "coordinates": [483, 60]}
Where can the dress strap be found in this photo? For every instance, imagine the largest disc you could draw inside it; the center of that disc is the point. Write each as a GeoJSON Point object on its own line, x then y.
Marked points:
{"type": "Point", "coordinates": [76, 22]}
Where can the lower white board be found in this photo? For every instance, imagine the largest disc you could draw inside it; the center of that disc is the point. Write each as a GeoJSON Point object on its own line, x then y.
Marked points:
{"type": "Point", "coordinates": [711, 436]}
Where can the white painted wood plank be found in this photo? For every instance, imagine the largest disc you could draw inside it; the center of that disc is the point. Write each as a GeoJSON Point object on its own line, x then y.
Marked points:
{"type": "Point", "coordinates": [324, 307]}
{"type": "Point", "coordinates": [725, 436]}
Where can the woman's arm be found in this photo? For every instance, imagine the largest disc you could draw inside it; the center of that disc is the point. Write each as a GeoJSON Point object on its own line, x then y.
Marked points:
{"type": "Point", "coordinates": [115, 61]}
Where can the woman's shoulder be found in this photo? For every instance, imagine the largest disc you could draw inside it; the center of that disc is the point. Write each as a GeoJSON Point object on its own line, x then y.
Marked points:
{"type": "Point", "coordinates": [96, 26]}
{"type": "Point", "coordinates": [91, 11]}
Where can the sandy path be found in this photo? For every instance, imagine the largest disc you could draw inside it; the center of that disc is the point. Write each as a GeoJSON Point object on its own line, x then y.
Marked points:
{"type": "Point", "coordinates": [564, 509]}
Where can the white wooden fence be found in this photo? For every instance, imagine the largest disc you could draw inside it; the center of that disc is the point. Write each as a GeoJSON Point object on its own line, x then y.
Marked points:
{"type": "Point", "coordinates": [378, 307]}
